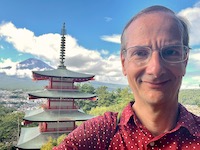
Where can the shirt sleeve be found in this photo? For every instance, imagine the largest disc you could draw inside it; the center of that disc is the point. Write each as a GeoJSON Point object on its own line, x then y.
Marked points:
{"type": "Point", "coordinates": [95, 134]}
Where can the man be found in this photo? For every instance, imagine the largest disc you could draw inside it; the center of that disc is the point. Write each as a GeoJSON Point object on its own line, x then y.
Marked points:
{"type": "Point", "coordinates": [154, 56]}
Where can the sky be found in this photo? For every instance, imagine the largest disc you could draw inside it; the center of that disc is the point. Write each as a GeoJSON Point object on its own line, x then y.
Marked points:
{"type": "Point", "coordinates": [31, 29]}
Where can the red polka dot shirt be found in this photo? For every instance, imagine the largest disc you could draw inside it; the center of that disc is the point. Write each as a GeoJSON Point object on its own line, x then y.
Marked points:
{"type": "Point", "coordinates": [104, 133]}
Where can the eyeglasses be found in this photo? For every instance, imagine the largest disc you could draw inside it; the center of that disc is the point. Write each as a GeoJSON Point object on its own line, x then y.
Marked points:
{"type": "Point", "coordinates": [170, 54]}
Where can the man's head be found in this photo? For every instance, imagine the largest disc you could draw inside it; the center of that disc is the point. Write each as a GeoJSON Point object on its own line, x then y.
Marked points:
{"type": "Point", "coordinates": [154, 54]}
{"type": "Point", "coordinates": [182, 23]}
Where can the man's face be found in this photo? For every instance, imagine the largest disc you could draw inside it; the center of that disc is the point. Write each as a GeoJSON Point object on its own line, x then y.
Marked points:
{"type": "Point", "coordinates": [156, 82]}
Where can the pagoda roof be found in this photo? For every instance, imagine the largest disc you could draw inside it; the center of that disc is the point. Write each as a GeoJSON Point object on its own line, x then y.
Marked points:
{"type": "Point", "coordinates": [61, 94]}
{"type": "Point", "coordinates": [61, 72]}
{"type": "Point", "coordinates": [32, 138]}
{"type": "Point", "coordinates": [54, 115]}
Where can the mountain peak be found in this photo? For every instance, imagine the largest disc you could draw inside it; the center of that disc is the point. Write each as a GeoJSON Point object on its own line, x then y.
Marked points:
{"type": "Point", "coordinates": [33, 63]}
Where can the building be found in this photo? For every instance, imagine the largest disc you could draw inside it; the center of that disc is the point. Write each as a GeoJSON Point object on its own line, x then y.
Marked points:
{"type": "Point", "coordinates": [59, 114]}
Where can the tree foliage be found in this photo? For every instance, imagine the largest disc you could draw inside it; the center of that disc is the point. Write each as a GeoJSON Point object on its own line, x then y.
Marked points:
{"type": "Point", "coordinates": [86, 105]}
{"type": "Point", "coordinates": [53, 142]}
{"type": "Point", "coordinates": [105, 98]}
{"type": "Point", "coordinates": [61, 138]}
{"type": "Point", "coordinates": [121, 98]}
{"type": "Point", "coordinates": [190, 97]}
{"type": "Point", "coordinates": [9, 126]}
{"type": "Point", "coordinates": [50, 144]}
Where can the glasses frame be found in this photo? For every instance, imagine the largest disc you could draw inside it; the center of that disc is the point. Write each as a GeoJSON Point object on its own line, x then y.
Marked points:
{"type": "Point", "coordinates": [186, 48]}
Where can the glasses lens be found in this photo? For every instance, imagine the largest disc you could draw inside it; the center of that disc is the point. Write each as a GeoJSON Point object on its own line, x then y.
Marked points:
{"type": "Point", "coordinates": [176, 53]}
{"type": "Point", "coordinates": [138, 54]}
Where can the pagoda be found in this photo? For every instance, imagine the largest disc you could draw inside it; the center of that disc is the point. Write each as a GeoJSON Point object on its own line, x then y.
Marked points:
{"type": "Point", "coordinates": [58, 115]}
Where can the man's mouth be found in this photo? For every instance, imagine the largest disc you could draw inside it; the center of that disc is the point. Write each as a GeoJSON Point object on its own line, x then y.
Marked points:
{"type": "Point", "coordinates": [156, 84]}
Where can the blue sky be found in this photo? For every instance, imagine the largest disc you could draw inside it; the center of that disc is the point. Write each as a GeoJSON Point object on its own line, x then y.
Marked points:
{"type": "Point", "coordinates": [31, 28]}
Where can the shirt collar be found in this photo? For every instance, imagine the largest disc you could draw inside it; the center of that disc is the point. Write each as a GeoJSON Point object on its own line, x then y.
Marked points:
{"type": "Point", "coordinates": [188, 120]}
{"type": "Point", "coordinates": [185, 119]}
{"type": "Point", "coordinates": [127, 113]}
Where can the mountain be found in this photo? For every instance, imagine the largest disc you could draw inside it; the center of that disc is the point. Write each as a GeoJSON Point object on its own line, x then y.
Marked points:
{"type": "Point", "coordinates": [13, 82]}
{"type": "Point", "coordinates": [31, 63]}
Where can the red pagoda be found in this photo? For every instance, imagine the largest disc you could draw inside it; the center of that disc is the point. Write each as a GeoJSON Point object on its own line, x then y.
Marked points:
{"type": "Point", "coordinates": [59, 114]}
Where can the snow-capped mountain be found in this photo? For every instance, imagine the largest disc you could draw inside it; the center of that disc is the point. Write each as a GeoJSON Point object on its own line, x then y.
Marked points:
{"type": "Point", "coordinates": [20, 76]}
{"type": "Point", "coordinates": [31, 63]}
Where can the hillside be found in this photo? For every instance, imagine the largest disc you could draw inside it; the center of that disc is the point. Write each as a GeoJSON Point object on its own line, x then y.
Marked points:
{"type": "Point", "coordinates": [190, 96]}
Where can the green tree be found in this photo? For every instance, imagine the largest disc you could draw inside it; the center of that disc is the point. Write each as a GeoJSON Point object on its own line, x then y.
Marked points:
{"type": "Point", "coordinates": [9, 123]}
{"type": "Point", "coordinates": [124, 95]}
{"type": "Point", "coordinates": [122, 98]}
{"type": "Point", "coordinates": [61, 138]}
{"type": "Point", "coordinates": [86, 105]}
{"type": "Point", "coordinates": [9, 127]}
{"type": "Point", "coordinates": [5, 110]}
{"type": "Point", "coordinates": [50, 144]}
{"type": "Point", "coordinates": [53, 142]}
{"type": "Point", "coordinates": [105, 98]}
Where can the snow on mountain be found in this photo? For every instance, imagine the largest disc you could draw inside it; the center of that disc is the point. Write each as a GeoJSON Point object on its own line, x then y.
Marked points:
{"type": "Point", "coordinates": [24, 69]}
{"type": "Point", "coordinates": [33, 63]}
{"type": "Point", "coordinates": [19, 76]}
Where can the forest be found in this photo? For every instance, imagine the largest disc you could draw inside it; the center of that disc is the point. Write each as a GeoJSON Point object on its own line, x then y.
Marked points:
{"type": "Point", "coordinates": [107, 101]}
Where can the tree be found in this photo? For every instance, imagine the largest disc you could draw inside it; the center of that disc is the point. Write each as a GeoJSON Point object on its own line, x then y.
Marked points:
{"type": "Point", "coordinates": [121, 98]}
{"type": "Point", "coordinates": [61, 138]}
{"type": "Point", "coordinates": [53, 142]}
{"type": "Point", "coordinates": [9, 121]}
{"type": "Point", "coordinates": [105, 98]}
{"type": "Point", "coordinates": [86, 105]}
{"type": "Point", "coordinates": [50, 144]}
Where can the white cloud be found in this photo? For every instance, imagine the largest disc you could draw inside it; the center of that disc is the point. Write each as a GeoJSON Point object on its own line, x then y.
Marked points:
{"type": "Point", "coordinates": [25, 41]}
{"type": "Point", "coordinates": [104, 52]}
{"type": "Point", "coordinates": [193, 16]}
{"type": "Point", "coordinates": [47, 46]}
{"type": "Point", "coordinates": [192, 77]}
{"type": "Point", "coordinates": [7, 62]}
{"type": "Point", "coordinates": [12, 70]}
{"type": "Point", "coordinates": [194, 56]}
{"type": "Point", "coordinates": [195, 80]}
{"type": "Point", "coordinates": [115, 38]}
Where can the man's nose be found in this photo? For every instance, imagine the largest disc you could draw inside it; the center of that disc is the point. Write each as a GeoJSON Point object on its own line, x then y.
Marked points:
{"type": "Point", "coordinates": [155, 65]}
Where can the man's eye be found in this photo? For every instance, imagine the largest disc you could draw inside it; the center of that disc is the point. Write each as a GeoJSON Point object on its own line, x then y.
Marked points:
{"type": "Point", "coordinates": [140, 53]}
{"type": "Point", "coordinates": [171, 52]}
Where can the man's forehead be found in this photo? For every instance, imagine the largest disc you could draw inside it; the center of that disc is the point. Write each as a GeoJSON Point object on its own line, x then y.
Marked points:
{"type": "Point", "coordinates": [155, 19]}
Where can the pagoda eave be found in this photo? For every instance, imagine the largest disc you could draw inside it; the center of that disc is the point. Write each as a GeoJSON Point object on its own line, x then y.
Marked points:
{"type": "Point", "coordinates": [31, 138]}
{"type": "Point", "coordinates": [62, 73]}
{"type": "Point", "coordinates": [62, 95]}
{"type": "Point", "coordinates": [42, 115]}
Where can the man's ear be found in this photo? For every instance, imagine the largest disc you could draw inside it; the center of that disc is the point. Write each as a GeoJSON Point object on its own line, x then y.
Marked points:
{"type": "Point", "coordinates": [123, 63]}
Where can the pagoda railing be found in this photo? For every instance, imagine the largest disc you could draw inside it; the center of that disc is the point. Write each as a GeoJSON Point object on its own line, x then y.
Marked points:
{"type": "Point", "coordinates": [62, 87]}
{"type": "Point", "coordinates": [58, 107]}
{"type": "Point", "coordinates": [68, 129]}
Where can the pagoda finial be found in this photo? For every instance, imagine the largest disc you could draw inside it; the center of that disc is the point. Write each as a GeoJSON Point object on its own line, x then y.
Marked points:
{"type": "Point", "coordinates": [62, 48]}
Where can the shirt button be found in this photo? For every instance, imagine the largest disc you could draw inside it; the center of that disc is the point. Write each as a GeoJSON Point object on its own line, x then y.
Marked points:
{"type": "Point", "coordinates": [152, 143]}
